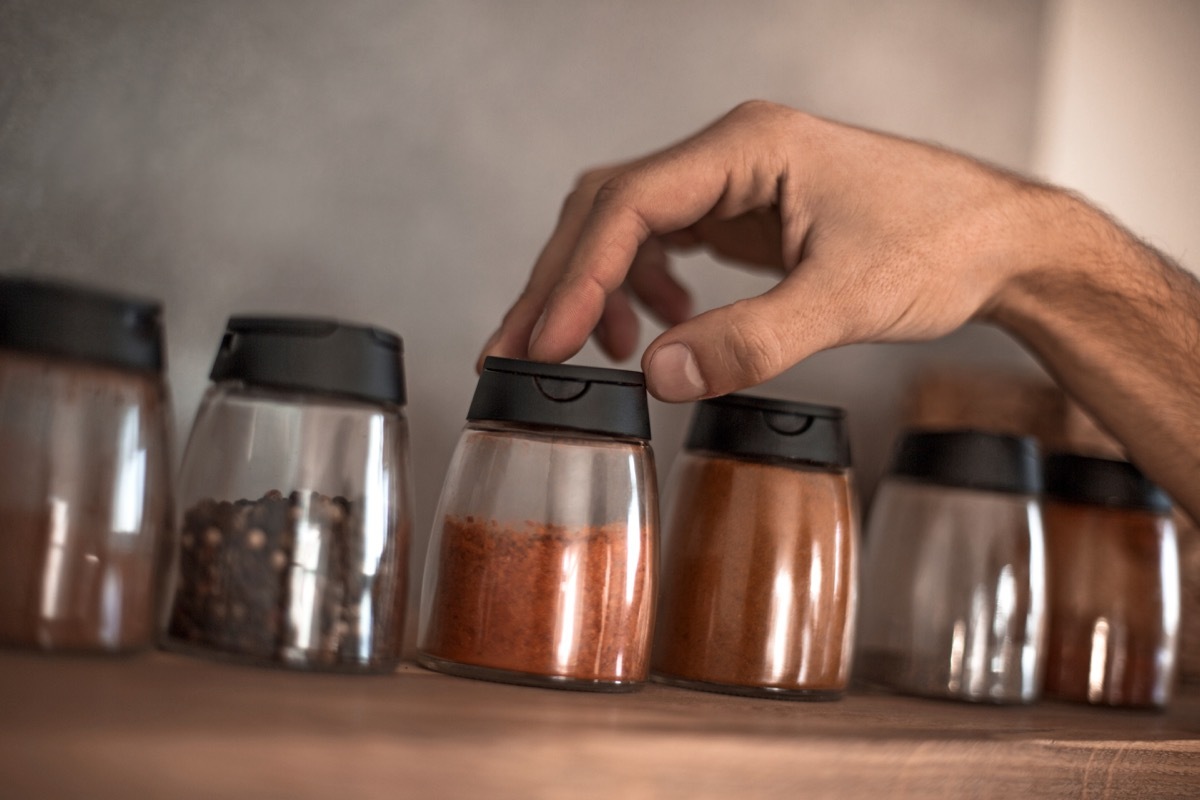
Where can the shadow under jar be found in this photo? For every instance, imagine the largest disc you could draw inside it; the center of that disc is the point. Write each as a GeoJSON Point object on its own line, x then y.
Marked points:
{"type": "Point", "coordinates": [85, 501]}
{"type": "Point", "coordinates": [541, 564]}
{"type": "Point", "coordinates": [1113, 564]}
{"type": "Point", "coordinates": [759, 573]}
{"type": "Point", "coordinates": [293, 541]}
{"type": "Point", "coordinates": [954, 578]}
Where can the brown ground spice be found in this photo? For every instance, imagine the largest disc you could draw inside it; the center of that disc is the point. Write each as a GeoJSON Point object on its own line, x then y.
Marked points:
{"type": "Point", "coordinates": [1106, 564]}
{"type": "Point", "coordinates": [68, 581]}
{"type": "Point", "coordinates": [543, 599]}
{"type": "Point", "coordinates": [759, 577]}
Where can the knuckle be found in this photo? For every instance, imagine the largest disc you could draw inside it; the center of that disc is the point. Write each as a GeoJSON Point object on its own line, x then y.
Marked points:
{"type": "Point", "coordinates": [583, 193]}
{"type": "Point", "coordinates": [616, 199]}
{"type": "Point", "coordinates": [591, 178]}
{"type": "Point", "coordinates": [757, 110]}
{"type": "Point", "coordinates": [612, 192]}
{"type": "Point", "coordinates": [576, 198]}
{"type": "Point", "coordinates": [755, 350]}
{"type": "Point", "coordinates": [778, 123]}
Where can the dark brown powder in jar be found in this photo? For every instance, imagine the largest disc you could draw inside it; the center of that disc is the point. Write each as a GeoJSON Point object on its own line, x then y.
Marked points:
{"type": "Point", "coordinates": [69, 580]}
{"type": "Point", "coordinates": [1107, 644]}
{"type": "Point", "coordinates": [758, 585]}
{"type": "Point", "coordinates": [543, 599]}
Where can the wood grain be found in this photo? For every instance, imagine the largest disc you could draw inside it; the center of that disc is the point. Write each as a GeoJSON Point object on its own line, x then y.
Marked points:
{"type": "Point", "coordinates": [161, 725]}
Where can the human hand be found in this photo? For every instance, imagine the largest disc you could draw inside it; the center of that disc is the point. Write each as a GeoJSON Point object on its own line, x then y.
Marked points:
{"type": "Point", "coordinates": [875, 239]}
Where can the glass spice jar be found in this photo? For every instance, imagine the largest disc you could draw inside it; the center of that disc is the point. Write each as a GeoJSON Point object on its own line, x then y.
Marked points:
{"type": "Point", "coordinates": [295, 489]}
{"type": "Point", "coordinates": [954, 579]}
{"type": "Point", "coordinates": [759, 573]}
{"type": "Point", "coordinates": [85, 475]}
{"type": "Point", "coordinates": [541, 565]}
{"type": "Point", "coordinates": [1113, 565]}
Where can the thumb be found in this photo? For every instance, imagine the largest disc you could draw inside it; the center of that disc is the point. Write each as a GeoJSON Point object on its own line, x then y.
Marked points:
{"type": "Point", "coordinates": [739, 345]}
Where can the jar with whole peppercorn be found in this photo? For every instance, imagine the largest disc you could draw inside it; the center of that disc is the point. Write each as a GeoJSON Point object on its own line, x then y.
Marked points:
{"type": "Point", "coordinates": [296, 509]}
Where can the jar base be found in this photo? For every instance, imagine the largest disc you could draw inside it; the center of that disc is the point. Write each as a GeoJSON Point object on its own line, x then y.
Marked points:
{"type": "Point", "coordinates": [296, 662]}
{"type": "Point", "coordinates": [77, 650]}
{"type": "Point", "coordinates": [887, 672]}
{"type": "Point", "coordinates": [771, 692]}
{"type": "Point", "coordinates": [948, 697]}
{"type": "Point", "coordinates": [1080, 699]}
{"type": "Point", "coordinates": [461, 670]}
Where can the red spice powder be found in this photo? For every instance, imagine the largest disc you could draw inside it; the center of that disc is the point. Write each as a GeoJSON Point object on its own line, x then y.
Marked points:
{"type": "Point", "coordinates": [543, 599]}
{"type": "Point", "coordinates": [759, 583]}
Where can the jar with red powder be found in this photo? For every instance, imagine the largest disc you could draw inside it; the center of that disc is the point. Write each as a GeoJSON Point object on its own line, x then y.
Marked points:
{"type": "Point", "coordinates": [1113, 563]}
{"type": "Point", "coordinates": [759, 573]}
{"type": "Point", "coordinates": [541, 564]}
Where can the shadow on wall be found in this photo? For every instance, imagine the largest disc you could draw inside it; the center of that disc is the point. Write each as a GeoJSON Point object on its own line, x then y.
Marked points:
{"type": "Point", "coordinates": [401, 163]}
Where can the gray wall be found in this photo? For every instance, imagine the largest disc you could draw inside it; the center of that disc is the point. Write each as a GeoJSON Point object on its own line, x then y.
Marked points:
{"type": "Point", "coordinates": [401, 163]}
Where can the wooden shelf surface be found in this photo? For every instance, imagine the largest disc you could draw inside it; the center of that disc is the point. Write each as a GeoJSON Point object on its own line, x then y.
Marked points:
{"type": "Point", "coordinates": [163, 725]}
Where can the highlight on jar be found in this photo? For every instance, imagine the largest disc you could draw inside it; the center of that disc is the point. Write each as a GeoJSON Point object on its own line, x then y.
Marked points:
{"type": "Point", "coordinates": [542, 559]}
{"type": "Point", "coordinates": [295, 495]}
{"type": "Point", "coordinates": [954, 578]}
{"type": "Point", "coordinates": [85, 479]}
{"type": "Point", "coordinates": [759, 578]}
{"type": "Point", "coordinates": [1115, 586]}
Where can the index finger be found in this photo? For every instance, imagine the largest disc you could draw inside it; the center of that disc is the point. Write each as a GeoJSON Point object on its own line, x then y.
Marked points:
{"type": "Point", "coordinates": [720, 171]}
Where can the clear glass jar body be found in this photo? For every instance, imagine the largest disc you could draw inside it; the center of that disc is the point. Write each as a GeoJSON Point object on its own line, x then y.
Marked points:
{"type": "Point", "coordinates": [759, 581]}
{"type": "Point", "coordinates": [1114, 605]}
{"type": "Point", "coordinates": [954, 594]}
{"type": "Point", "coordinates": [85, 504]}
{"type": "Point", "coordinates": [542, 561]}
{"type": "Point", "coordinates": [294, 530]}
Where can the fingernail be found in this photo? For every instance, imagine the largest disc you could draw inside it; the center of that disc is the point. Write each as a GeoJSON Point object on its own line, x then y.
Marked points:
{"type": "Point", "coordinates": [674, 375]}
{"type": "Point", "coordinates": [537, 330]}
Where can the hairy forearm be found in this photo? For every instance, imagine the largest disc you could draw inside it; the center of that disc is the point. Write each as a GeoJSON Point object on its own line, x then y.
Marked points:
{"type": "Point", "coordinates": [1118, 325]}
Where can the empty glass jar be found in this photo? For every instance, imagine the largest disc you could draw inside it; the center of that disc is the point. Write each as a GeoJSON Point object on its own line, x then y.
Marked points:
{"type": "Point", "coordinates": [1113, 562]}
{"type": "Point", "coordinates": [296, 507]}
{"type": "Point", "coordinates": [85, 501]}
{"type": "Point", "coordinates": [759, 574]}
{"type": "Point", "coordinates": [541, 564]}
{"type": "Point", "coordinates": [954, 579]}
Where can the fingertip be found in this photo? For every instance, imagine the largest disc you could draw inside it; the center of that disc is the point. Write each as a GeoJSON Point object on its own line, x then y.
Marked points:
{"type": "Point", "coordinates": [505, 343]}
{"type": "Point", "coordinates": [673, 375]}
{"type": "Point", "coordinates": [545, 347]}
{"type": "Point", "coordinates": [536, 333]}
{"type": "Point", "coordinates": [564, 327]}
{"type": "Point", "coordinates": [617, 338]}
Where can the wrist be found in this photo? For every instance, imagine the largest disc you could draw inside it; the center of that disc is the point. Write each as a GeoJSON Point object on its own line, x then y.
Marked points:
{"type": "Point", "coordinates": [1058, 250]}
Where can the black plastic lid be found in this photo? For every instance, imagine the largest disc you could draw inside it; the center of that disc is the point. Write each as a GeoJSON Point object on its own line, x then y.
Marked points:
{"type": "Point", "coordinates": [64, 320]}
{"type": "Point", "coordinates": [317, 355]}
{"type": "Point", "coordinates": [990, 462]}
{"type": "Point", "coordinates": [611, 401]}
{"type": "Point", "coordinates": [1102, 482]}
{"type": "Point", "coordinates": [760, 427]}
